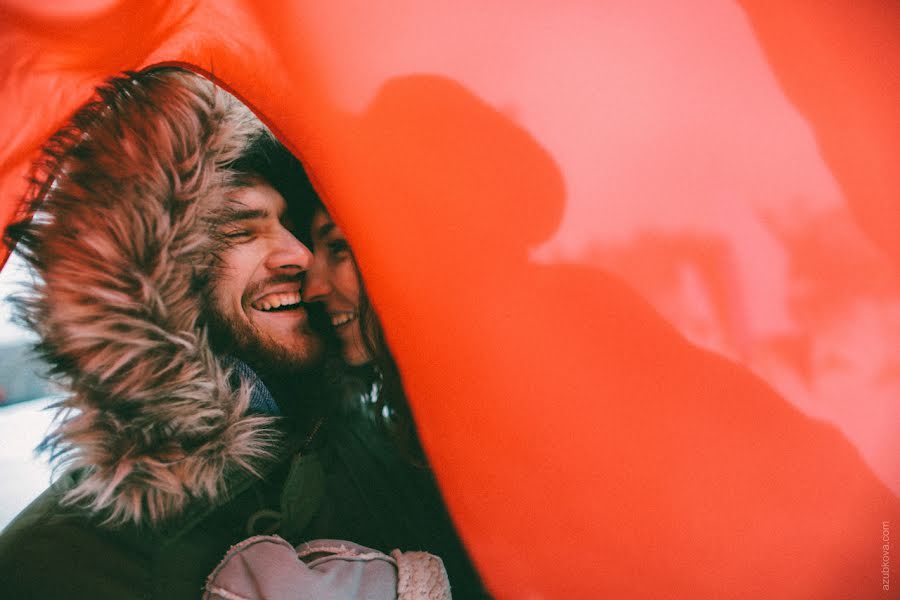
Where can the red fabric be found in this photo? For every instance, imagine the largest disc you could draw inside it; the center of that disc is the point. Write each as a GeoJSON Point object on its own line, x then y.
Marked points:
{"type": "Point", "coordinates": [637, 261]}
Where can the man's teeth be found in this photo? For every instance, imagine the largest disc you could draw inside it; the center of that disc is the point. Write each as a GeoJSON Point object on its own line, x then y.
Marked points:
{"type": "Point", "coordinates": [280, 300]}
{"type": "Point", "coordinates": [342, 318]}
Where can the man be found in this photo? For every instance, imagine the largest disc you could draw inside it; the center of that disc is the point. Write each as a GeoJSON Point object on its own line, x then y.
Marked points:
{"type": "Point", "coordinates": [162, 222]}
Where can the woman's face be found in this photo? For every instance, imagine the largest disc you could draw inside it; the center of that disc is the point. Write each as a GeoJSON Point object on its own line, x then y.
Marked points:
{"type": "Point", "coordinates": [333, 280]}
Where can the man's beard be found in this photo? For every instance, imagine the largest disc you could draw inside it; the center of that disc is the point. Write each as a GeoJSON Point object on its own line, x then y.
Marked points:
{"type": "Point", "coordinates": [265, 355]}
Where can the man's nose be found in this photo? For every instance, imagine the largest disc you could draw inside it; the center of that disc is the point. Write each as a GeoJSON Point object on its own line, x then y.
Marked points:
{"type": "Point", "coordinates": [289, 254]}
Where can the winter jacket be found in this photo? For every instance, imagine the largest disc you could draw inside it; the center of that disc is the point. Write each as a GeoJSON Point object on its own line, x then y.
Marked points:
{"type": "Point", "coordinates": [56, 551]}
{"type": "Point", "coordinates": [157, 448]}
{"type": "Point", "coordinates": [362, 488]}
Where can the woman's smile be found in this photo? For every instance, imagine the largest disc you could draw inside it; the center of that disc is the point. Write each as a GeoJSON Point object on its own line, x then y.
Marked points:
{"type": "Point", "coordinates": [342, 319]}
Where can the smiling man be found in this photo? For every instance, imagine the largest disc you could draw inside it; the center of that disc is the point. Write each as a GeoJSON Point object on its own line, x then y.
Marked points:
{"type": "Point", "coordinates": [257, 294]}
{"type": "Point", "coordinates": [168, 305]}
{"type": "Point", "coordinates": [254, 309]}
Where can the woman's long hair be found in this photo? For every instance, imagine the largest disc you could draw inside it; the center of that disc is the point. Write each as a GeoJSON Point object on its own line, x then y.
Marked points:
{"type": "Point", "coordinates": [391, 404]}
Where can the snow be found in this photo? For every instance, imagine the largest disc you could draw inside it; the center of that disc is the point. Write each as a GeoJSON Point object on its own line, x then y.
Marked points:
{"type": "Point", "coordinates": [22, 426]}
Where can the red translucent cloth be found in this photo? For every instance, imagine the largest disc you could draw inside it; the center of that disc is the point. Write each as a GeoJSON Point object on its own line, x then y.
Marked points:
{"type": "Point", "coordinates": [638, 261]}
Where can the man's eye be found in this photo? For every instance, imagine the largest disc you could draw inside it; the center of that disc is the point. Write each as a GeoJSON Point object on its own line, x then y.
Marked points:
{"type": "Point", "coordinates": [236, 235]}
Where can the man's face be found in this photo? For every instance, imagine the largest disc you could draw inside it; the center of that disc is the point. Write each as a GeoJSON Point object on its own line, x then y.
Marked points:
{"type": "Point", "coordinates": [256, 292]}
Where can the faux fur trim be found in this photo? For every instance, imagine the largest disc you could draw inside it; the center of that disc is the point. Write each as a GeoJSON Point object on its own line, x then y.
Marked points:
{"type": "Point", "coordinates": [121, 250]}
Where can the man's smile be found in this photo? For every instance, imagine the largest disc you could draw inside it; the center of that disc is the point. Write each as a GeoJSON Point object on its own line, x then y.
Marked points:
{"type": "Point", "coordinates": [277, 301]}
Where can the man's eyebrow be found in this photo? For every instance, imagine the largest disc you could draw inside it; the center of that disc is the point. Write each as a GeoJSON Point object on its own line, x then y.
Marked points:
{"type": "Point", "coordinates": [324, 230]}
{"type": "Point", "coordinates": [247, 214]}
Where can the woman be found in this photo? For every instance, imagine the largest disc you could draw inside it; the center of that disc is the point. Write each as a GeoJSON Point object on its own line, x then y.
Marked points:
{"type": "Point", "coordinates": [334, 281]}
{"type": "Point", "coordinates": [372, 459]}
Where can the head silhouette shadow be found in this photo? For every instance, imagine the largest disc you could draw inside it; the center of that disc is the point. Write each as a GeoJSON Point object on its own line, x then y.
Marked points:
{"type": "Point", "coordinates": [561, 376]}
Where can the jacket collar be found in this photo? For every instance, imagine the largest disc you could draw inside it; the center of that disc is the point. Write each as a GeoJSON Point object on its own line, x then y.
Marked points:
{"type": "Point", "coordinates": [261, 400]}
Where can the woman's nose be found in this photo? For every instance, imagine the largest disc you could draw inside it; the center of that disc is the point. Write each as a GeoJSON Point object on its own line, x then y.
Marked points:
{"type": "Point", "coordinates": [315, 283]}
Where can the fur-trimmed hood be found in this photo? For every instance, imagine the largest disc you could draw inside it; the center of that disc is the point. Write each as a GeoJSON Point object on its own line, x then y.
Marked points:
{"type": "Point", "coordinates": [121, 249]}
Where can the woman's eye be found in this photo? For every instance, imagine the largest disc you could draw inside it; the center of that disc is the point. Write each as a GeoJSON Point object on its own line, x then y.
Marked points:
{"type": "Point", "coordinates": [338, 247]}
